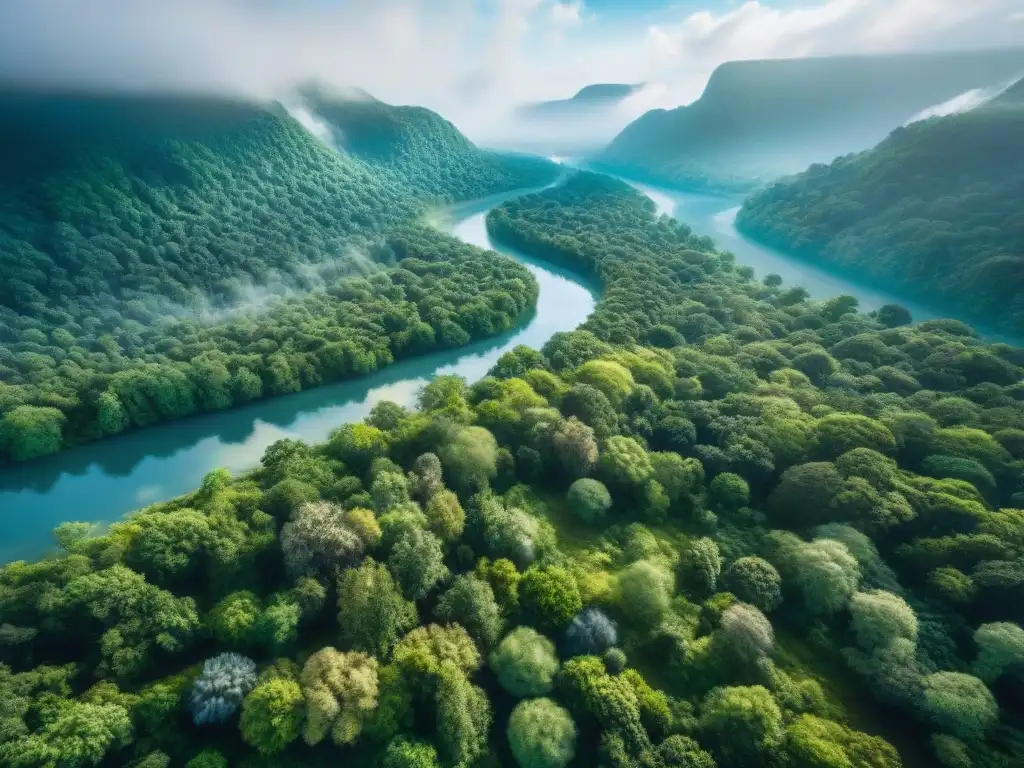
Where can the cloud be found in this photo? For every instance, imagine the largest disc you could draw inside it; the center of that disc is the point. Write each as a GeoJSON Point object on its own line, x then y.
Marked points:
{"type": "Point", "coordinates": [567, 14]}
{"type": "Point", "coordinates": [688, 49]}
{"type": "Point", "coordinates": [472, 60]}
{"type": "Point", "coordinates": [964, 102]}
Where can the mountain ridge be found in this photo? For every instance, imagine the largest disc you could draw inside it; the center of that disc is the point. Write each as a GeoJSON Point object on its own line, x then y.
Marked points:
{"type": "Point", "coordinates": [761, 119]}
{"type": "Point", "coordinates": [934, 209]}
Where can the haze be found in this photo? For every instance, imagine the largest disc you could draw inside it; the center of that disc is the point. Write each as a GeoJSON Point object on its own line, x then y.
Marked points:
{"type": "Point", "coordinates": [472, 60]}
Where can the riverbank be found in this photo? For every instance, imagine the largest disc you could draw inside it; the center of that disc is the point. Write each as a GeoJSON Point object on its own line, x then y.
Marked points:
{"type": "Point", "coordinates": [102, 481]}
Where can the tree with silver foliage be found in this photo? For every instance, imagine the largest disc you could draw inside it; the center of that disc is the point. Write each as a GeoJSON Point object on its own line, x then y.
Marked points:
{"type": "Point", "coordinates": [745, 633]}
{"type": "Point", "coordinates": [317, 540]}
{"type": "Point", "coordinates": [218, 692]}
{"type": "Point", "coordinates": [591, 633]}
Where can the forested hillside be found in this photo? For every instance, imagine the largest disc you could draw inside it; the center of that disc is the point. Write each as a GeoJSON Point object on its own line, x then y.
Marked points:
{"type": "Point", "coordinates": [758, 120]}
{"type": "Point", "coordinates": [424, 151]}
{"type": "Point", "coordinates": [141, 238]}
{"type": "Point", "coordinates": [720, 525]}
{"type": "Point", "coordinates": [937, 209]}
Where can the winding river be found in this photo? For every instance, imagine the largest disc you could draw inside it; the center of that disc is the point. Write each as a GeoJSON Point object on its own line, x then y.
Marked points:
{"type": "Point", "coordinates": [102, 481]}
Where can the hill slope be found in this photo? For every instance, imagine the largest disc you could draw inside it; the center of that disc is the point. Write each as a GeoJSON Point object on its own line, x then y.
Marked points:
{"type": "Point", "coordinates": [936, 207]}
{"type": "Point", "coordinates": [165, 256]}
{"type": "Point", "coordinates": [422, 150]}
{"type": "Point", "coordinates": [758, 120]}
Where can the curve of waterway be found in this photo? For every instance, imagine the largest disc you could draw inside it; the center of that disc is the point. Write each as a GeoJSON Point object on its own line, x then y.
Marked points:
{"type": "Point", "coordinates": [715, 216]}
{"type": "Point", "coordinates": [102, 481]}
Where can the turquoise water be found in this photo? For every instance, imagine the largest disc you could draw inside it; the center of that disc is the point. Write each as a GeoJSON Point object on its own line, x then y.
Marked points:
{"type": "Point", "coordinates": [102, 481]}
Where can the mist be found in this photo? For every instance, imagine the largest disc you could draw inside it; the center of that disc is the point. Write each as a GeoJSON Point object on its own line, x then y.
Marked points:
{"type": "Point", "coordinates": [474, 61]}
{"type": "Point", "coordinates": [964, 102]}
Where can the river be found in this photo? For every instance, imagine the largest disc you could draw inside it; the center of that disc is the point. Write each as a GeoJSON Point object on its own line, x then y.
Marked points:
{"type": "Point", "coordinates": [102, 481]}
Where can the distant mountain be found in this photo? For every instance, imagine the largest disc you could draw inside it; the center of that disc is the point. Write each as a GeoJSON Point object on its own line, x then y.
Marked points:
{"type": "Point", "coordinates": [422, 149]}
{"type": "Point", "coordinates": [589, 99]}
{"type": "Point", "coordinates": [937, 208]}
{"type": "Point", "coordinates": [575, 126]}
{"type": "Point", "coordinates": [758, 120]}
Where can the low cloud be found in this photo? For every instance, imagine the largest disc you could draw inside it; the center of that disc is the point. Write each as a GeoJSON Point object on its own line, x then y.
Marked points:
{"type": "Point", "coordinates": [472, 60]}
{"type": "Point", "coordinates": [688, 50]}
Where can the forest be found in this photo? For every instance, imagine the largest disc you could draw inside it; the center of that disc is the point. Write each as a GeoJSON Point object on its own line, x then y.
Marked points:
{"type": "Point", "coordinates": [162, 257]}
{"type": "Point", "coordinates": [718, 525]}
{"type": "Point", "coordinates": [935, 209]}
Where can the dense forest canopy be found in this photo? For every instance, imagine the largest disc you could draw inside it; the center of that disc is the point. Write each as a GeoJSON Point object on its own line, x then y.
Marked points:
{"type": "Point", "coordinates": [141, 238]}
{"type": "Point", "coordinates": [720, 525]}
{"type": "Point", "coordinates": [937, 209]}
{"type": "Point", "coordinates": [758, 120]}
{"type": "Point", "coordinates": [421, 149]}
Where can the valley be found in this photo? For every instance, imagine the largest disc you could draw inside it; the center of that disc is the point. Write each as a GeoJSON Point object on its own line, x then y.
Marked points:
{"type": "Point", "coordinates": [329, 436]}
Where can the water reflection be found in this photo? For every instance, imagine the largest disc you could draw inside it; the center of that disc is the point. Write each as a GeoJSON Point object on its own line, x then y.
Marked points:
{"type": "Point", "coordinates": [102, 481]}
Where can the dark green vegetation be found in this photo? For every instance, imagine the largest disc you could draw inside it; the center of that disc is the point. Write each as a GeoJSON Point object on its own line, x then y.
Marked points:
{"type": "Point", "coordinates": [422, 151]}
{"type": "Point", "coordinates": [799, 544]}
{"type": "Point", "coordinates": [758, 120]}
{"type": "Point", "coordinates": [164, 257]}
{"type": "Point", "coordinates": [935, 209]}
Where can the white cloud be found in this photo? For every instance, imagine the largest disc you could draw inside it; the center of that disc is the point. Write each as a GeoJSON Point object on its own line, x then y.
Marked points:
{"type": "Point", "coordinates": [689, 49]}
{"type": "Point", "coordinates": [567, 14]}
{"type": "Point", "coordinates": [469, 59]}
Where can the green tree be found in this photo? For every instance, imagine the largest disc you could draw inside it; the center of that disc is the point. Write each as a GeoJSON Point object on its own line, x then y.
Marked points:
{"type": "Point", "coordinates": [271, 715]}
{"type": "Point", "coordinates": [643, 594]}
{"type": "Point", "coordinates": [702, 563]}
{"type": "Point", "coordinates": [470, 602]}
{"type": "Point", "coordinates": [541, 734]}
{"type": "Point", "coordinates": [575, 447]}
{"type": "Point", "coordinates": [550, 597]}
{"type": "Point", "coordinates": [813, 742]}
{"type": "Point", "coordinates": [28, 432]}
{"type": "Point", "coordinates": [463, 716]}
{"type": "Point", "coordinates": [624, 462]}
{"type": "Point", "coordinates": [71, 734]}
{"type": "Point", "coordinates": [470, 457]}
{"type": "Point", "coordinates": [408, 753]}
{"type": "Point", "coordinates": [525, 663]}
{"type": "Point", "coordinates": [755, 581]}
{"type": "Point", "coordinates": [742, 724]}
{"type": "Point", "coordinates": [880, 617]}
{"type": "Point", "coordinates": [417, 563]}
{"type": "Point", "coordinates": [340, 690]}
{"type": "Point", "coordinates": [372, 613]}
{"type": "Point", "coordinates": [959, 704]}
{"type": "Point", "coordinates": [445, 515]}
{"type": "Point", "coordinates": [1000, 645]}
{"type": "Point", "coordinates": [589, 499]}
{"type": "Point", "coordinates": [729, 492]}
